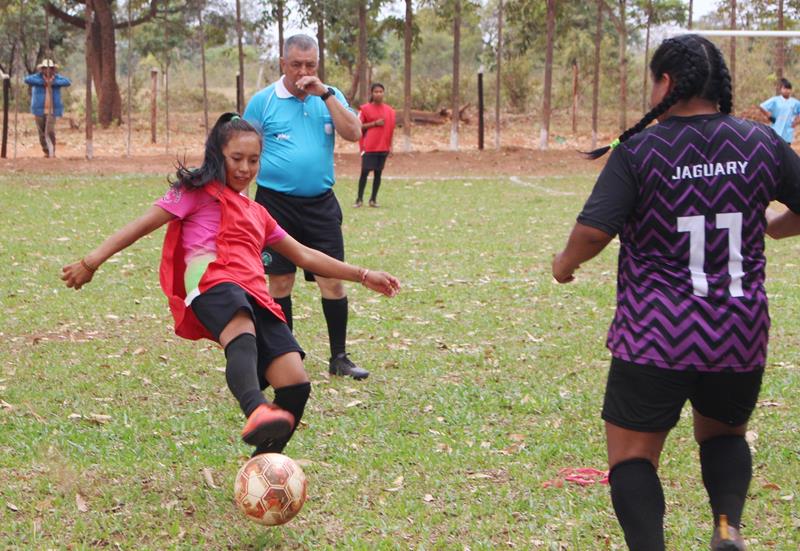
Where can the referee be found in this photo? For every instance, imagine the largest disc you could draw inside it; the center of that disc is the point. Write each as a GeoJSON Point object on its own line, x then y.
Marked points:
{"type": "Point", "coordinates": [298, 117]}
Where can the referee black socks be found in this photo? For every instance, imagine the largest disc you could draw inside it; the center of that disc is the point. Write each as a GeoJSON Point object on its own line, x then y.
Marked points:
{"type": "Point", "coordinates": [335, 310]}
{"type": "Point", "coordinates": [639, 503]}
{"type": "Point", "coordinates": [727, 468]}
{"type": "Point", "coordinates": [286, 305]}
{"type": "Point", "coordinates": [241, 373]}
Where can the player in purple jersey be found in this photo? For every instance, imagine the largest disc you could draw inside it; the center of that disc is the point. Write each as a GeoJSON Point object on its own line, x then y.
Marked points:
{"type": "Point", "coordinates": [687, 198]}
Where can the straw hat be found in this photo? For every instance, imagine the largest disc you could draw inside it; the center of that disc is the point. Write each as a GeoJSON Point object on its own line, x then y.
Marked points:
{"type": "Point", "coordinates": [47, 63]}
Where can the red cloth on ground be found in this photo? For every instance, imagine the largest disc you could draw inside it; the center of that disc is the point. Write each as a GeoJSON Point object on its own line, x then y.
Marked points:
{"type": "Point", "coordinates": [244, 227]}
{"type": "Point", "coordinates": [377, 138]}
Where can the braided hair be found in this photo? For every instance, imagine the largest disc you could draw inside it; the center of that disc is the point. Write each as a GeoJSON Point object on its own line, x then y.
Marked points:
{"type": "Point", "coordinates": [697, 68]}
{"type": "Point", "coordinates": [213, 167]}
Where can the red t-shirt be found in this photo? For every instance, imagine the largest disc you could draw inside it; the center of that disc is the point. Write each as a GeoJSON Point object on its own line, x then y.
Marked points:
{"type": "Point", "coordinates": [377, 138]}
{"type": "Point", "coordinates": [243, 232]}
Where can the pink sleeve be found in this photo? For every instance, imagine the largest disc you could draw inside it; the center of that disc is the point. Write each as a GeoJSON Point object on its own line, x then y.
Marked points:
{"type": "Point", "coordinates": [277, 234]}
{"type": "Point", "coordinates": [180, 201]}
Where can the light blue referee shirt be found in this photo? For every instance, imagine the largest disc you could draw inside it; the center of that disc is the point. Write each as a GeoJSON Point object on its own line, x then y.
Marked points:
{"type": "Point", "coordinates": [784, 110]}
{"type": "Point", "coordinates": [297, 155]}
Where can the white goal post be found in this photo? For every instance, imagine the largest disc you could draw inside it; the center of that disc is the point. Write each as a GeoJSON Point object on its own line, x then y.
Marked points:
{"type": "Point", "coordinates": [770, 34]}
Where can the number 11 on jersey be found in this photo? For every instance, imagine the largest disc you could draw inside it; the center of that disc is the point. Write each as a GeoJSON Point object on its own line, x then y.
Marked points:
{"type": "Point", "coordinates": [696, 226]}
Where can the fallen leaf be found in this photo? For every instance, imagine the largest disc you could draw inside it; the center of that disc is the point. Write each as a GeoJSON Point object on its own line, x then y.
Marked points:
{"type": "Point", "coordinates": [5, 405]}
{"type": "Point", "coordinates": [138, 351]}
{"type": "Point", "coordinates": [80, 503]}
{"type": "Point", "coordinates": [397, 485]}
{"type": "Point", "coordinates": [428, 498]}
{"type": "Point", "coordinates": [771, 486]}
{"type": "Point", "coordinates": [209, 478]}
{"type": "Point", "coordinates": [98, 418]}
{"type": "Point", "coordinates": [354, 403]}
{"type": "Point", "coordinates": [304, 462]}
{"type": "Point", "coordinates": [12, 507]}
{"type": "Point", "coordinates": [788, 497]}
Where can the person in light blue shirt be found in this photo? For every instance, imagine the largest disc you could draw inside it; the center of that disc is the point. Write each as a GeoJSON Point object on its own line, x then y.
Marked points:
{"type": "Point", "coordinates": [783, 111]}
{"type": "Point", "coordinates": [46, 104]}
{"type": "Point", "coordinates": [299, 117]}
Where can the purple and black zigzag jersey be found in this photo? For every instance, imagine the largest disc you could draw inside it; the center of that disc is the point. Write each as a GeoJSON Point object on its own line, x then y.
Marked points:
{"type": "Point", "coordinates": [687, 197]}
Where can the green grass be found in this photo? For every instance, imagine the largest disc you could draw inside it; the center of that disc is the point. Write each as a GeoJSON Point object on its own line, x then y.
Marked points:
{"type": "Point", "coordinates": [487, 378]}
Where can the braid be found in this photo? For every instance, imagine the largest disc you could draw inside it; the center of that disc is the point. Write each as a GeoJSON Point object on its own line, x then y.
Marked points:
{"type": "Point", "coordinates": [726, 87]}
{"type": "Point", "coordinates": [685, 87]}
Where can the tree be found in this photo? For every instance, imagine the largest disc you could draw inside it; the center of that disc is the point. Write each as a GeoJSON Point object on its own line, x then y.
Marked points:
{"type": "Point", "coordinates": [408, 25]}
{"type": "Point", "coordinates": [456, 100]}
{"type": "Point", "coordinates": [548, 74]}
{"type": "Point", "coordinates": [102, 53]}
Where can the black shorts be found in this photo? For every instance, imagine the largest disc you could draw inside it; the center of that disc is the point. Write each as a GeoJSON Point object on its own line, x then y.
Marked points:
{"type": "Point", "coordinates": [216, 307]}
{"type": "Point", "coordinates": [374, 160]}
{"type": "Point", "coordinates": [646, 398]}
{"type": "Point", "coordinates": [316, 222]}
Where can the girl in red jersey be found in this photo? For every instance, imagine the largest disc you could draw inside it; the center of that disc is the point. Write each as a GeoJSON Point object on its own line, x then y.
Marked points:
{"type": "Point", "coordinates": [377, 126]}
{"type": "Point", "coordinates": [212, 272]}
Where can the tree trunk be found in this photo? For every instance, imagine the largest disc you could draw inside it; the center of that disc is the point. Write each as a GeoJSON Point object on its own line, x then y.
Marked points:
{"type": "Point", "coordinates": [574, 97]}
{"type": "Point", "coordinates": [646, 54]}
{"type": "Point", "coordinates": [598, 38]}
{"type": "Point", "coordinates": [548, 74]}
{"type": "Point", "coordinates": [691, 13]}
{"type": "Point", "coordinates": [732, 56]}
{"type": "Point", "coordinates": [456, 65]}
{"type": "Point", "coordinates": [321, 43]}
{"type": "Point", "coordinates": [109, 100]}
{"type": "Point", "coordinates": [780, 53]}
{"type": "Point", "coordinates": [498, 80]}
{"type": "Point", "coordinates": [623, 66]}
{"type": "Point", "coordinates": [280, 7]}
{"type": "Point", "coordinates": [362, 52]}
{"type": "Point", "coordinates": [240, 94]}
{"type": "Point", "coordinates": [203, 66]}
{"type": "Point", "coordinates": [407, 76]}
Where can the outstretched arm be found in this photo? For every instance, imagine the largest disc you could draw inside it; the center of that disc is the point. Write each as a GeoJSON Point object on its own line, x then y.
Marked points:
{"type": "Point", "coordinates": [324, 265]}
{"type": "Point", "coordinates": [584, 243]}
{"type": "Point", "coordinates": [79, 273]}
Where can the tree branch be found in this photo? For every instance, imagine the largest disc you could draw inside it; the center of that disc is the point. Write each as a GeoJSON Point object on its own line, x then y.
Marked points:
{"type": "Point", "coordinates": [58, 13]}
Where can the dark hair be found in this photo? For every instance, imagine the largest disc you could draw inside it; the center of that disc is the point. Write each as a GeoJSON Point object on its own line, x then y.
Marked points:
{"type": "Point", "coordinates": [786, 84]}
{"type": "Point", "coordinates": [213, 167]}
{"type": "Point", "coordinates": [697, 68]}
{"type": "Point", "coordinates": [372, 89]}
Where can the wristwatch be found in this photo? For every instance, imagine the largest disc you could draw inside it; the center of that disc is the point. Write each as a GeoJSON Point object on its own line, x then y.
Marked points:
{"type": "Point", "coordinates": [327, 94]}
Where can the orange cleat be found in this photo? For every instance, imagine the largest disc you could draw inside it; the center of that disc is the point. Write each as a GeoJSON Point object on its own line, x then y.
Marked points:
{"type": "Point", "coordinates": [267, 422]}
{"type": "Point", "coordinates": [726, 537]}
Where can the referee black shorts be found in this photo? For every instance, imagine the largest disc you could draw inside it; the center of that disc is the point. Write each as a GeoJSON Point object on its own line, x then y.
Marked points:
{"type": "Point", "coordinates": [216, 307]}
{"type": "Point", "coordinates": [316, 222]}
{"type": "Point", "coordinates": [646, 398]}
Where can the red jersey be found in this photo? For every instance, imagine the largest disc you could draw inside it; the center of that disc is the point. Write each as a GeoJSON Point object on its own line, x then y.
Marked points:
{"type": "Point", "coordinates": [377, 138]}
{"type": "Point", "coordinates": [244, 227]}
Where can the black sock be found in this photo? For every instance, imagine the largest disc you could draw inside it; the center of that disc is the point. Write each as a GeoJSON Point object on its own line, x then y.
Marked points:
{"type": "Point", "coordinates": [286, 305]}
{"type": "Point", "coordinates": [727, 468]}
{"type": "Point", "coordinates": [241, 372]}
{"type": "Point", "coordinates": [376, 184]}
{"type": "Point", "coordinates": [335, 310]}
{"type": "Point", "coordinates": [293, 399]}
{"type": "Point", "coordinates": [362, 183]}
{"type": "Point", "coordinates": [639, 503]}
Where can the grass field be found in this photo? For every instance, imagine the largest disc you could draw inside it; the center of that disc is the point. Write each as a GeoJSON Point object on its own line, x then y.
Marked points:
{"type": "Point", "coordinates": [487, 378]}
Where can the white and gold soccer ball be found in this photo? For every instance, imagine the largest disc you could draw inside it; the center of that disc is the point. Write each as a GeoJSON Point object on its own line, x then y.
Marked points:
{"type": "Point", "coordinates": [270, 489]}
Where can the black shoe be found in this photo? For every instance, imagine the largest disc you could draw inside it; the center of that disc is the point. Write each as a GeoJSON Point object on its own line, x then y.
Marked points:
{"type": "Point", "coordinates": [342, 365]}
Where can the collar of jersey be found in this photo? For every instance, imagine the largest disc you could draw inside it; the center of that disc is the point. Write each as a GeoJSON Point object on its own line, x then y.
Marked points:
{"type": "Point", "coordinates": [281, 91]}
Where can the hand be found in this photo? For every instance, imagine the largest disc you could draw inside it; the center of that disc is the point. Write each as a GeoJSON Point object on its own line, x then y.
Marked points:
{"type": "Point", "coordinates": [382, 282]}
{"type": "Point", "coordinates": [562, 272]}
{"type": "Point", "coordinates": [76, 275]}
{"type": "Point", "coordinates": [379, 122]}
{"type": "Point", "coordinates": [311, 85]}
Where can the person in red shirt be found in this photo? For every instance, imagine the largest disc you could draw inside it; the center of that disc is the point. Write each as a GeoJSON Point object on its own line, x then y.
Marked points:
{"type": "Point", "coordinates": [377, 126]}
{"type": "Point", "coordinates": [213, 275]}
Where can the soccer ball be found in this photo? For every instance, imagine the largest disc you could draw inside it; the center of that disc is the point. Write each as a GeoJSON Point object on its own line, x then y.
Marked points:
{"type": "Point", "coordinates": [270, 489]}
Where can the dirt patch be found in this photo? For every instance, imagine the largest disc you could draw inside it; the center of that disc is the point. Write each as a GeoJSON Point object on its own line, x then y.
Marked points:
{"type": "Point", "coordinates": [430, 153]}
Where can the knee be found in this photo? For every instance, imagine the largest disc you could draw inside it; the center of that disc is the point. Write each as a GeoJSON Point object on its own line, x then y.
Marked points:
{"type": "Point", "coordinates": [331, 288]}
{"type": "Point", "coordinates": [281, 285]}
